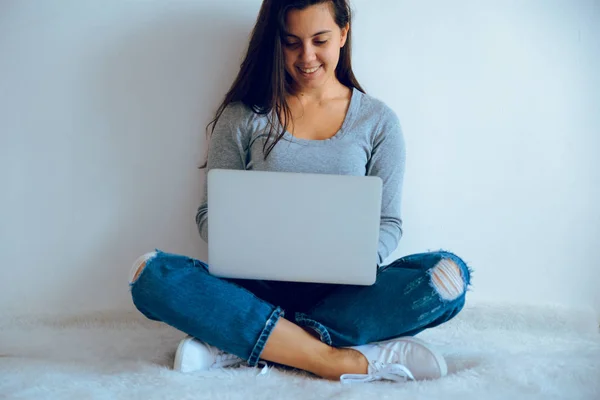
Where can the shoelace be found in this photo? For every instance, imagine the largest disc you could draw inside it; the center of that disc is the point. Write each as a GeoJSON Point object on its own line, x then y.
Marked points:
{"type": "Point", "coordinates": [226, 358]}
{"type": "Point", "coordinates": [265, 368]}
{"type": "Point", "coordinates": [230, 360]}
{"type": "Point", "coordinates": [390, 372]}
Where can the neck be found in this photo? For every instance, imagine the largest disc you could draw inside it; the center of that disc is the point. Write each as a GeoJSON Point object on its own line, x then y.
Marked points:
{"type": "Point", "coordinates": [330, 89]}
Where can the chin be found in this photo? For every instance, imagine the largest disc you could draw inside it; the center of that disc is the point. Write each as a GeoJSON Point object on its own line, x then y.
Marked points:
{"type": "Point", "coordinates": [311, 84]}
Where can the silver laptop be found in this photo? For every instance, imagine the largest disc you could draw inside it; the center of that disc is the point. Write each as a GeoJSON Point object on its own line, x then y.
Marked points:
{"type": "Point", "coordinates": [293, 226]}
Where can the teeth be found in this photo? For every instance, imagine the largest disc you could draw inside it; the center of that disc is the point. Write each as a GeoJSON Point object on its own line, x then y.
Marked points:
{"type": "Point", "coordinates": [309, 71]}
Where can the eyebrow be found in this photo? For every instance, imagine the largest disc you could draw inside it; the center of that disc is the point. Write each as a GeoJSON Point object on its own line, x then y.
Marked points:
{"type": "Point", "coordinates": [287, 34]}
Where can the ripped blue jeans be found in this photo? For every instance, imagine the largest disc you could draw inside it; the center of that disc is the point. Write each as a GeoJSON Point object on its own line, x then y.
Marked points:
{"type": "Point", "coordinates": [411, 294]}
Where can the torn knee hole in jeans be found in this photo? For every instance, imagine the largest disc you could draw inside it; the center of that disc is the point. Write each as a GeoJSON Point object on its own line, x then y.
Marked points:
{"type": "Point", "coordinates": [447, 279]}
{"type": "Point", "coordinates": [139, 264]}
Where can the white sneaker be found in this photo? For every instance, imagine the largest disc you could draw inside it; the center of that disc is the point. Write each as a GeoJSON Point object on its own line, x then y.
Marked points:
{"type": "Point", "coordinates": [193, 355]}
{"type": "Point", "coordinates": [400, 359]}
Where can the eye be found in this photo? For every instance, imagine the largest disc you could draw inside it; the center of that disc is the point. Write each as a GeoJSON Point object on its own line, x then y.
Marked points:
{"type": "Point", "coordinates": [291, 45]}
{"type": "Point", "coordinates": [320, 42]}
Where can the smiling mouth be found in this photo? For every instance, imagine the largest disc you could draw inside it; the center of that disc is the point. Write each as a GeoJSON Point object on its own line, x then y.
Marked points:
{"type": "Point", "coordinates": [309, 71]}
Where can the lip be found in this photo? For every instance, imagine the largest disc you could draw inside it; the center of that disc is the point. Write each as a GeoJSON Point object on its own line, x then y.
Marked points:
{"type": "Point", "coordinates": [306, 74]}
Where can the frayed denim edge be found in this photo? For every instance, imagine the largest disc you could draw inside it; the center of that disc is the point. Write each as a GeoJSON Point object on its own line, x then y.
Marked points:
{"type": "Point", "coordinates": [462, 265]}
{"type": "Point", "coordinates": [143, 258]}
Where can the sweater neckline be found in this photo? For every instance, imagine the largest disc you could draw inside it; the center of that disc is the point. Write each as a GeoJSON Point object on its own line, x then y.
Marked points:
{"type": "Point", "coordinates": [348, 119]}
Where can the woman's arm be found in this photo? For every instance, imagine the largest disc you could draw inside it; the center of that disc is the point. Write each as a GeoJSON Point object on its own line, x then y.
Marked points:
{"type": "Point", "coordinates": [387, 161]}
{"type": "Point", "coordinates": [226, 150]}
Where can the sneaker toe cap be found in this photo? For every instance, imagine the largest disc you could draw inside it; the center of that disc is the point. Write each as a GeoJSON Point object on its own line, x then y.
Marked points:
{"type": "Point", "coordinates": [192, 356]}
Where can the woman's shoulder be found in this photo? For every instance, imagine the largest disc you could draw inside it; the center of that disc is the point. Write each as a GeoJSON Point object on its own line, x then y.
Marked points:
{"type": "Point", "coordinates": [377, 109]}
{"type": "Point", "coordinates": [374, 106]}
{"type": "Point", "coordinates": [241, 121]}
{"type": "Point", "coordinates": [237, 112]}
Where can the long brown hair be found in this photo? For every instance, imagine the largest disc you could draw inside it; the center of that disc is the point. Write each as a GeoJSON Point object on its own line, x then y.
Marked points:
{"type": "Point", "coordinates": [263, 82]}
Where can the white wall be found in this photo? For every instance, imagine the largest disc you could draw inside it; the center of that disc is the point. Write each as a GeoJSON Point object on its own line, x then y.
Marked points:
{"type": "Point", "coordinates": [103, 106]}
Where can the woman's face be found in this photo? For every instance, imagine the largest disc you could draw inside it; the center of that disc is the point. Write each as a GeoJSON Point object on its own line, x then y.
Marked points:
{"type": "Point", "coordinates": [311, 45]}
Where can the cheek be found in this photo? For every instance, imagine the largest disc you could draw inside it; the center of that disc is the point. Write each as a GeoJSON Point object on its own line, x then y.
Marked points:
{"type": "Point", "coordinates": [331, 56]}
{"type": "Point", "coordinates": [288, 60]}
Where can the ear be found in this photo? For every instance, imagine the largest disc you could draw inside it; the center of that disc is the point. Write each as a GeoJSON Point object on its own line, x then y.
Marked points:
{"type": "Point", "coordinates": [344, 35]}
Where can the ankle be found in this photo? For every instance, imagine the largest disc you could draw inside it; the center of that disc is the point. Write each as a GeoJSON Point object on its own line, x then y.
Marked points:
{"type": "Point", "coordinates": [344, 361]}
{"type": "Point", "coordinates": [354, 362]}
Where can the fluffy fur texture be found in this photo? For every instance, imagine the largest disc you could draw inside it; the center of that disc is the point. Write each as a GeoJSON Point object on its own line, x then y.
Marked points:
{"type": "Point", "coordinates": [494, 351]}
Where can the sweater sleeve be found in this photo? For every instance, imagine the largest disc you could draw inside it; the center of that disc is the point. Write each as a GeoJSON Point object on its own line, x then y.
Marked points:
{"type": "Point", "coordinates": [226, 150]}
{"type": "Point", "coordinates": [387, 161]}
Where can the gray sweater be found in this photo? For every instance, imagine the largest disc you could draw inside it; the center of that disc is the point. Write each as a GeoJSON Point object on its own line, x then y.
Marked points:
{"type": "Point", "coordinates": [370, 142]}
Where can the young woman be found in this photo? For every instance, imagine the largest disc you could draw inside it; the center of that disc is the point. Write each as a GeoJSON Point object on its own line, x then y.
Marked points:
{"type": "Point", "coordinates": [297, 106]}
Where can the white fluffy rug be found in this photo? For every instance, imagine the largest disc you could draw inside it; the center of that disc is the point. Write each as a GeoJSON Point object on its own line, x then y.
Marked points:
{"type": "Point", "coordinates": [493, 351]}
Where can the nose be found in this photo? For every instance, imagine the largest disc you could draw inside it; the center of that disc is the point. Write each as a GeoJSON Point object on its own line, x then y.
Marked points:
{"type": "Point", "coordinates": [308, 53]}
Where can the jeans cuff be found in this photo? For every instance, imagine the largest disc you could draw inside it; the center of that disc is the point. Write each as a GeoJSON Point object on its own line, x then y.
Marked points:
{"type": "Point", "coordinates": [262, 339]}
{"type": "Point", "coordinates": [303, 320]}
